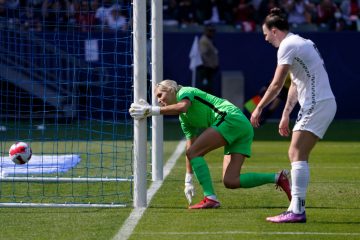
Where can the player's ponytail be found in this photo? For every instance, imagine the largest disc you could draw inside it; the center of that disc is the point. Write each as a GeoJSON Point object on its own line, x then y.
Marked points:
{"type": "Point", "coordinates": [278, 19]}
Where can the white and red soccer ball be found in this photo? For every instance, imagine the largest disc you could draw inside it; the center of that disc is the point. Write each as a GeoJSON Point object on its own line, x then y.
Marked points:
{"type": "Point", "coordinates": [20, 152]}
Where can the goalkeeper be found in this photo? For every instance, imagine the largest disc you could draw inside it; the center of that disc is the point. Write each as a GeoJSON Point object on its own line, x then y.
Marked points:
{"type": "Point", "coordinates": [224, 124]}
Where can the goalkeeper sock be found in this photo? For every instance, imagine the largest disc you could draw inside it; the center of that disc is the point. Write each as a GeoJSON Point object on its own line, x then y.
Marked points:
{"type": "Point", "coordinates": [250, 180]}
{"type": "Point", "coordinates": [202, 173]}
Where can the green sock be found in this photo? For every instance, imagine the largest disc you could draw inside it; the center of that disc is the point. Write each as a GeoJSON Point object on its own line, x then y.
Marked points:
{"type": "Point", "coordinates": [202, 173]}
{"type": "Point", "coordinates": [249, 180]}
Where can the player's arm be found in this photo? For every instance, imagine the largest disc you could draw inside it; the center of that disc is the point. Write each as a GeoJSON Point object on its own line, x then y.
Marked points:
{"type": "Point", "coordinates": [177, 108]}
{"type": "Point", "coordinates": [275, 86]}
{"type": "Point", "coordinates": [272, 91]}
{"type": "Point", "coordinates": [291, 101]}
{"type": "Point", "coordinates": [143, 109]}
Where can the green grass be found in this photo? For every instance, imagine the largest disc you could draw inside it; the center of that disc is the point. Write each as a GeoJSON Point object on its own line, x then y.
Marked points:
{"type": "Point", "coordinates": [333, 204]}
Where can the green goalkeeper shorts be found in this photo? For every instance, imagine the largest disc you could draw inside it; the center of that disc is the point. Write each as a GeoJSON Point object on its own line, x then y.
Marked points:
{"type": "Point", "coordinates": [238, 132]}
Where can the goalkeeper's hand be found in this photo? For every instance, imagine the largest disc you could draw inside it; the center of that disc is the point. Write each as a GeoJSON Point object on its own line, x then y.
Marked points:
{"type": "Point", "coordinates": [143, 109]}
{"type": "Point", "coordinates": [189, 187]}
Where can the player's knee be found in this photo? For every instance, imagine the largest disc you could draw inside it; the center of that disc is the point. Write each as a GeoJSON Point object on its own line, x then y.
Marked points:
{"type": "Point", "coordinates": [294, 154]}
{"type": "Point", "coordinates": [230, 183]}
{"type": "Point", "coordinates": [191, 153]}
{"type": "Point", "coordinates": [290, 154]}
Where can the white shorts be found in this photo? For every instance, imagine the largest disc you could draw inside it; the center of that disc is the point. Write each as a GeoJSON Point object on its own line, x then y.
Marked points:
{"type": "Point", "coordinates": [316, 118]}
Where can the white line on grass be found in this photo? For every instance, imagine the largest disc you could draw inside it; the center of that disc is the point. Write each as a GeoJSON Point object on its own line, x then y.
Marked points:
{"type": "Point", "coordinates": [251, 233]}
{"type": "Point", "coordinates": [136, 214]}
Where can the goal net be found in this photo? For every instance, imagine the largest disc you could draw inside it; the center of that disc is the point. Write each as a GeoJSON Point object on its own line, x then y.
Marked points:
{"type": "Point", "coordinates": [66, 85]}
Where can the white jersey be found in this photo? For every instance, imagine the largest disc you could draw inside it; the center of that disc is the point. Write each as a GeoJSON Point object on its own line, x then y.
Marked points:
{"type": "Point", "coordinates": [307, 69]}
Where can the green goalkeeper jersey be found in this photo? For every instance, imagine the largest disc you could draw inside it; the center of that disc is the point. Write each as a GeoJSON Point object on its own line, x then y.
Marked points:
{"type": "Point", "coordinates": [205, 110]}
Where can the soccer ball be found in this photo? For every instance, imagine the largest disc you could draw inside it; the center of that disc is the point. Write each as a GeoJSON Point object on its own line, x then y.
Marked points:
{"type": "Point", "coordinates": [20, 152]}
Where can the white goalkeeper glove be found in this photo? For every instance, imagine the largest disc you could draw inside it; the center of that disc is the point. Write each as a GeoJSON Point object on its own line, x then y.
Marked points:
{"type": "Point", "coordinates": [143, 109]}
{"type": "Point", "coordinates": [189, 187]}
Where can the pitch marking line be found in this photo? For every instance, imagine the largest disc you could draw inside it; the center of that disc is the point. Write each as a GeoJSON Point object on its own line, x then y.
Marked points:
{"type": "Point", "coordinates": [136, 214]}
{"type": "Point", "coordinates": [250, 233]}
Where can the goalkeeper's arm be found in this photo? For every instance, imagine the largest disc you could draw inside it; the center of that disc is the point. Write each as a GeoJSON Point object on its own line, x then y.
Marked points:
{"type": "Point", "coordinates": [143, 109]}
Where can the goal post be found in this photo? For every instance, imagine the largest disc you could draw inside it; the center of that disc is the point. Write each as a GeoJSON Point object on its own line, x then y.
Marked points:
{"type": "Point", "coordinates": [140, 91]}
{"type": "Point", "coordinates": [156, 77]}
{"type": "Point", "coordinates": [140, 86]}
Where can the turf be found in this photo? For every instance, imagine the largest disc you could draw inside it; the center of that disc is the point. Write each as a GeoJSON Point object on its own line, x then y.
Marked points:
{"type": "Point", "coordinates": [333, 206]}
{"type": "Point", "coordinates": [333, 209]}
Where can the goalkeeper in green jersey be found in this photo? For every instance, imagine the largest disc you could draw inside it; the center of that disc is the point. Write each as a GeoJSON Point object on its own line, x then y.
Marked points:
{"type": "Point", "coordinates": [225, 126]}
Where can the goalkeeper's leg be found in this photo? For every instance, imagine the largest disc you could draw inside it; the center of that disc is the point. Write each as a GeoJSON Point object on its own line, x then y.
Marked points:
{"type": "Point", "coordinates": [209, 140]}
{"type": "Point", "coordinates": [233, 179]}
{"type": "Point", "coordinates": [231, 170]}
{"type": "Point", "coordinates": [202, 173]}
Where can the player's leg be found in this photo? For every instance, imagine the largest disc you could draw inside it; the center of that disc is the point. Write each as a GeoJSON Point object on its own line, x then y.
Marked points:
{"type": "Point", "coordinates": [309, 128]}
{"type": "Point", "coordinates": [302, 142]}
{"type": "Point", "coordinates": [209, 140]}
{"type": "Point", "coordinates": [235, 154]}
{"type": "Point", "coordinates": [232, 177]}
{"type": "Point", "coordinates": [231, 170]}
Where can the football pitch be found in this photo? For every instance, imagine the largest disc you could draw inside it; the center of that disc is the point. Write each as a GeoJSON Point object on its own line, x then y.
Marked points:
{"type": "Point", "coordinates": [333, 206]}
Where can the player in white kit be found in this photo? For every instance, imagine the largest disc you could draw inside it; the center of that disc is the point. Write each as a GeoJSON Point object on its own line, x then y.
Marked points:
{"type": "Point", "coordinates": [309, 87]}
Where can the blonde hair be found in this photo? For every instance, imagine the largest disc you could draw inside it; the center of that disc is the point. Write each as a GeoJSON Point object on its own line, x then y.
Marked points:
{"type": "Point", "coordinates": [168, 86]}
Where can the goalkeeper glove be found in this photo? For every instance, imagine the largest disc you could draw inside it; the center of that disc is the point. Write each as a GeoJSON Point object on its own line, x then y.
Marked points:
{"type": "Point", "coordinates": [189, 187]}
{"type": "Point", "coordinates": [143, 109]}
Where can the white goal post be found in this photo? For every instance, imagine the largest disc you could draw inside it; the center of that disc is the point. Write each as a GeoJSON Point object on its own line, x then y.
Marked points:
{"type": "Point", "coordinates": [156, 77]}
{"type": "Point", "coordinates": [140, 86]}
